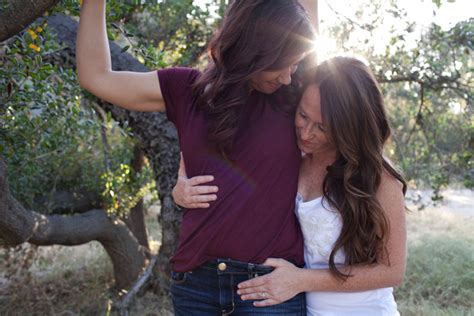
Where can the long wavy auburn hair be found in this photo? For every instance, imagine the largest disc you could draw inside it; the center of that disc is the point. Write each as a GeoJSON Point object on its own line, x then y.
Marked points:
{"type": "Point", "coordinates": [353, 112]}
{"type": "Point", "coordinates": [255, 36]}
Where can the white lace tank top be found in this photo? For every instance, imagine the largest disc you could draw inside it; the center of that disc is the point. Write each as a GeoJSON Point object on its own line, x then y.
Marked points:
{"type": "Point", "coordinates": [321, 226]}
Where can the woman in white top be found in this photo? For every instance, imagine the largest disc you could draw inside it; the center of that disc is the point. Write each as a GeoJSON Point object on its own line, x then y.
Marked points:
{"type": "Point", "coordinates": [350, 201]}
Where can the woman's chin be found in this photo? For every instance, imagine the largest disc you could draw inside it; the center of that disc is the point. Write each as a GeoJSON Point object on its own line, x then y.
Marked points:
{"type": "Point", "coordinates": [305, 149]}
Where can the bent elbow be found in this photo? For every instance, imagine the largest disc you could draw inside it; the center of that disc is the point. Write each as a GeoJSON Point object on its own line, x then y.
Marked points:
{"type": "Point", "coordinates": [83, 80]}
{"type": "Point", "coordinates": [89, 80]}
{"type": "Point", "coordinates": [397, 278]}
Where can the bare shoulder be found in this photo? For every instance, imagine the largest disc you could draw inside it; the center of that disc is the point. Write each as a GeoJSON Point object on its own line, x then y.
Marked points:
{"type": "Point", "coordinates": [387, 181]}
{"type": "Point", "coordinates": [390, 192]}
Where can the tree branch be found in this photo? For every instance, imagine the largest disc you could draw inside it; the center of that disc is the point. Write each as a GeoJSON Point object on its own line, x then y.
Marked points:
{"type": "Point", "coordinates": [419, 116]}
{"type": "Point", "coordinates": [144, 279]}
{"type": "Point", "coordinates": [156, 136]}
{"type": "Point", "coordinates": [15, 15]}
{"type": "Point", "coordinates": [19, 225]}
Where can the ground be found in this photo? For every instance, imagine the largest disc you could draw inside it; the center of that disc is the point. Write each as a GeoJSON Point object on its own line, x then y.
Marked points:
{"type": "Point", "coordinates": [76, 280]}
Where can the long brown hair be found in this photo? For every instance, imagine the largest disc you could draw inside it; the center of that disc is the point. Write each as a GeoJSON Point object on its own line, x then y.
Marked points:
{"type": "Point", "coordinates": [255, 35]}
{"type": "Point", "coordinates": [353, 112]}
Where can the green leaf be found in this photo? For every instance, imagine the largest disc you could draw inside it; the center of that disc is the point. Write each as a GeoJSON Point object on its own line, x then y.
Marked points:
{"type": "Point", "coordinates": [124, 49]}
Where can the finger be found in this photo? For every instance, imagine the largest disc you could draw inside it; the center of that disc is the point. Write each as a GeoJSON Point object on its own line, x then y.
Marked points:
{"type": "Point", "coordinates": [200, 180]}
{"type": "Point", "coordinates": [253, 282]}
{"type": "Point", "coordinates": [267, 302]}
{"type": "Point", "coordinates": [203, 198]}
{"type": "Point", "coordinates": [254, 293]}
{"type": "Point", "coordinates": [182, 167]}
{"type": "Point", "coordinates": [252, 297]}
{"type": "Point", "coordinates": [204, 189]}
{"type": "Point", "coordinates": [199, 205]}
{"type": "Point", "coordinates": [272, 262]}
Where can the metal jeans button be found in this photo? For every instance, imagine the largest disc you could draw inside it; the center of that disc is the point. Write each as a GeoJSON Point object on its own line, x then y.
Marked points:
{"type": "Point", "coordinates": [222, 266]}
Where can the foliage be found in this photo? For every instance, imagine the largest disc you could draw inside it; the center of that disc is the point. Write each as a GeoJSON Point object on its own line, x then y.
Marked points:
{"type": "Point", "coordinates": [50, 134]}
{"type": "Point", "coordinates": [179, 29]}
{"type": "Point", "coordinates": [428, 83]}
{"type": "Point", "coordinates": [45, 130]}
{"type": "Point", "coordinates": [53, 136]}
{"type": "Point", "coordinates": [434, 127]}
{"type": "Point", "coordinates": [158, 33]}
{"type": "Point", "coordinates": [123, 188]}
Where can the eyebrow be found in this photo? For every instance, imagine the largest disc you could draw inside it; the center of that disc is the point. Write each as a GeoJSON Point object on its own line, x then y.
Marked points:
{"type": "Point", "coordinates": [306, 112]}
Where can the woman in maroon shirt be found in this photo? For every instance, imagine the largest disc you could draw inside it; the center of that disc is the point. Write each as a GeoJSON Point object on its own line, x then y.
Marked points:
{"type": "Point", "coordinates": [235, 121]}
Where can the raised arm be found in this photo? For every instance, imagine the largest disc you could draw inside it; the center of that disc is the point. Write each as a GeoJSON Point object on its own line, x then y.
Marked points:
{"type": "Point", "coordinates": [311, 6]}
{"type": "Point", "coordinates": [131, 90]}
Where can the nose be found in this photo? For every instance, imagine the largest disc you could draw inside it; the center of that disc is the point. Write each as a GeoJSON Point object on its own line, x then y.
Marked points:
{"type": "Point", "coordinates": [285, 76]}
{"type": "Point", "coordinates": [306, 132]}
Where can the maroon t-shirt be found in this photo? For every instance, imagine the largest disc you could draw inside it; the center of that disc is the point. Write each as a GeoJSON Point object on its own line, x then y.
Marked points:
{"type": "Point", "coordinates": [253, 218]}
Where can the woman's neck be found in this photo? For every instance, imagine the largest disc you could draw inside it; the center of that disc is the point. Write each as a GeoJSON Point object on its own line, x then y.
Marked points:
{"type": "Point", "coordinates": [321, 159]}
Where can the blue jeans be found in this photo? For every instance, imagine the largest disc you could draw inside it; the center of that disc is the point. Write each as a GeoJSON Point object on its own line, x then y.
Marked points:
{"type": "Point", "coordinates": [211, 290]}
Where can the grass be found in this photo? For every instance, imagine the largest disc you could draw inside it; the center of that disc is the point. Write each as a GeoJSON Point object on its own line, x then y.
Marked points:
{"type": "Point", "coordinates": [76, 280]}
{"type": "Point", "coordinates": [440, 268]}
{"type": "Point", "coordinates": [61, 281]}
{"type": "Point", "coordinates": [440, 276]}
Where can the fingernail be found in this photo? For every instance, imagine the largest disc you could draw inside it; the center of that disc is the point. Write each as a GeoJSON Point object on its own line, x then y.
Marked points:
{"type": "Point", "coordinates": [238, 292]}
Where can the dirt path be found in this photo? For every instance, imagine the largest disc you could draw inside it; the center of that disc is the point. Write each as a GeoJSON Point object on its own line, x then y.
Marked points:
{"type": "Point", "coordinates": [457, 201]}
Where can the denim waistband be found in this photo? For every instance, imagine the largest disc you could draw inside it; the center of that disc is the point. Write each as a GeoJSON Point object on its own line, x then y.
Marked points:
{"type": "Point", "coordinates": [229, 266]}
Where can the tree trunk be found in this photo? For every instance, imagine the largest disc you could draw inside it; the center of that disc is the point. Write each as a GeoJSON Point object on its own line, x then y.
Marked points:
{"type": "Point", "coordinates": [15, 15]}
{"type": "Point", "coordinates": [18, 225]}
{"type": "Point", "coordinates": [67, 202]}
{"type": "Point", "coordinates": [156, 136]}
{"type": "Point", "coordinates": [136, 219]}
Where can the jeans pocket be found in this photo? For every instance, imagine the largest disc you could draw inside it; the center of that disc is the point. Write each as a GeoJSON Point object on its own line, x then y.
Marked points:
{"type": "Point", "coordinates": [178, 277]}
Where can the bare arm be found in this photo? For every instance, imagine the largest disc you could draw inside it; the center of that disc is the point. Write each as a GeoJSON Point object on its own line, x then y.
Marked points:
{"type": "Point", "coordinates": [288, 280]}
{"type": "Point", "coordinates": [390, 271]}
{"type": "Point", "coordinates": [311, 6]}
{"type": "Point", "coordinates": [131, 90]}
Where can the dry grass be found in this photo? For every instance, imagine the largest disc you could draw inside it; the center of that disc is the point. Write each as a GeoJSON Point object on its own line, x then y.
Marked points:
{"type": "Point", "coordinates": [440, 271]}
{"type": "Point", "coordinates": [76, 280]}
{"type": "Point", "coordinates": [61, 281]}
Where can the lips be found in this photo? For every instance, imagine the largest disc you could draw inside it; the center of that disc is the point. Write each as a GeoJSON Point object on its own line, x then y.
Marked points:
{"type": "Point", "coordinates": [305, 142]}
{"type": "Point", "coordinates": [274, 85]}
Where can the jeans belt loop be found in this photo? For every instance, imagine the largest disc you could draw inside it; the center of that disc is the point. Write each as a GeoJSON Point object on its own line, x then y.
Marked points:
{"type": "Point", "coordinates": [251, 270]}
